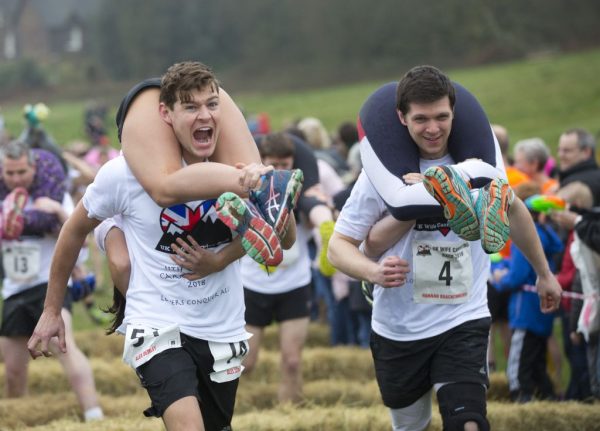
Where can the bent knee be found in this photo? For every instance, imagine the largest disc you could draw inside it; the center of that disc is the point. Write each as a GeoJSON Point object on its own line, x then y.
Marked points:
{"type": "Point", "coordinates": [463, 407]}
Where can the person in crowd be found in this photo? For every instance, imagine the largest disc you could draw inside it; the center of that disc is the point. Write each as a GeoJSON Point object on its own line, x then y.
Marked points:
{"type": "Point", "coordinates": [527, 372]}
{"type": "Point", "coordinates": [32, 215]}
{"type": "Point", "coordinates": [531, 156]}
{"type": "Point", "coordinates": [579, 198]}
{"type": "Point", "coordinates": [577, 160]}
{"type": "Point", "coordinates": [513, 175]}
{"type": "Point", "coordinates": [282, 293]}
{"type": "Point", "coordinates": [430, 316]}
{"type": "Point", "coordinates": [498, 301]}
{"type": "Point", "coordinates": [34, 133]}
{"type": "Point", "coordinates": [318, 138]}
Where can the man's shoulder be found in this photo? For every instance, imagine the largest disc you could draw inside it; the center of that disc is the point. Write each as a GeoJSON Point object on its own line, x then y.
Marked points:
{"type": "Point", "coordinates": [114, 168]}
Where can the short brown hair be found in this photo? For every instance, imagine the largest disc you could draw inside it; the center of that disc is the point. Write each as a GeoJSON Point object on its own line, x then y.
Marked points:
{"type": "Point", "coordinates": [182, 78]}
{"type": "Point", "coordinates": [423, 84]}
{"type": "Point", "coordinates": [278, 145]}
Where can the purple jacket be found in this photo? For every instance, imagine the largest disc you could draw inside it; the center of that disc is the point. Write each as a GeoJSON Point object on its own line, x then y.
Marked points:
{"type": "Point", "coordinates": [49, 181]}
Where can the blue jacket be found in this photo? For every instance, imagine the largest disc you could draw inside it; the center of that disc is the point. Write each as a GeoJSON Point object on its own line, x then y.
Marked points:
{"type": "Point", "coordinates": [524, 306]}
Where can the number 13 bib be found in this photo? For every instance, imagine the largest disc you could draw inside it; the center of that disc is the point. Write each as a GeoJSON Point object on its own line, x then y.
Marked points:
{"type": "Point", "coordinates": [21, 260]}
{"type": "Point", "coordinates": [443, 272]}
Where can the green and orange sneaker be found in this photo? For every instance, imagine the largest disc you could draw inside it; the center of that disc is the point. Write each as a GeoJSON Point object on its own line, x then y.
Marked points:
{"type": "Point", "coordinates": [446, 185]}
{"type": "Point", "coordinates": [492, 206]}
{"type": "Point", "coordinates": [259, 239]}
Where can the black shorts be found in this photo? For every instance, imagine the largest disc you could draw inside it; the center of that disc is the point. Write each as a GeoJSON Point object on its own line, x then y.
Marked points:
{"type": "Point", "coordinates": [262, 308]}
{"type": "Point", "coordinates": [21, 312]}
{"type": "Point", "coordinates": [406, 370]}
{"type": "Point", "coordinates": [498, 303]}
{"type": "Point", "coordinates": [178, 373]}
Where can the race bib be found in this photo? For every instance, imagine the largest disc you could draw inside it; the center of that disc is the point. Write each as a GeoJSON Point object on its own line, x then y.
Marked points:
{"type": "Point", "coordinates": [228, 360]}
{"type": "Point", "coordinates": [21, 260]}
{"type": "Point", "coordinates": [443, 272]}
{"type": "Point", "coordinates": [142, 343]}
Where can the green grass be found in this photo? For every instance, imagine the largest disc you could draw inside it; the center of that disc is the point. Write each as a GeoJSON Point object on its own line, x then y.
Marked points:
{"type": "Point", "coordinates": [537, 97]}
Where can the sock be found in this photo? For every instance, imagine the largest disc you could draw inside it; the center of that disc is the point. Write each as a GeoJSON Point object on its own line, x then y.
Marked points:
{"type": "Point", "coordinates": [93, 414]}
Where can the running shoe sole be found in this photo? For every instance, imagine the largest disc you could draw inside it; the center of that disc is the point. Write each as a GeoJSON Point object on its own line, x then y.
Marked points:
{"type": "Point", "coordinates": [292, 193]}
{"type": "Point", "coordinates": [452, 192]}
{"type": "Point", "coordinates": [258, 238]}
{"type": "Point", "coordinates": [290, 199]}
{"type": "Point", "coordinates": [492, 206]}
{"type": "Point", "coordinates": [13, 208]}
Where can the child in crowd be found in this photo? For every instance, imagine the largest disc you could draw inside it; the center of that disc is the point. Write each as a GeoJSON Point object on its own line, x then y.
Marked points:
{"type": "Point", "coordinates": [526, 368]}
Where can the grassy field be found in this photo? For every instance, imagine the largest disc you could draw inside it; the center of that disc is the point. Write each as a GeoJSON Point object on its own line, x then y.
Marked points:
{"type": "Point", "coordinates": [538, 97]}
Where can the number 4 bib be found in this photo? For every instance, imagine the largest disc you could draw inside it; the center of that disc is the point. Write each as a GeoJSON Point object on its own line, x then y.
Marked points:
{"type": "Point", "coordinates": [443, 272]}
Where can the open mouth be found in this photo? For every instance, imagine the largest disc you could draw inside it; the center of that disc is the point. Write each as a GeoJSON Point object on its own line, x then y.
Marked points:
{"type": "Point", "coordinates": [203, 134]}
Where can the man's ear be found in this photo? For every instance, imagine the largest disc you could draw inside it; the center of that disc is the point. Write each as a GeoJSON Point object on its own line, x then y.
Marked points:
{"type": "Point", "coordinates": [401, 117]}
{"type": "Point", "coordinates": [165, 113]}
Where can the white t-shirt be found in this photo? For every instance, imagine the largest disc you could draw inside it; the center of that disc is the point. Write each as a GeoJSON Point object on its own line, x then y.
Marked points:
{"type": "Point", "coordinates": [293, 272]}
{"type": "Point", "coordinates": [26, 261]}
{"type": "Point", "coordinates": [211, 308]}
{"type": "Point", "coordinates": [447, 283]}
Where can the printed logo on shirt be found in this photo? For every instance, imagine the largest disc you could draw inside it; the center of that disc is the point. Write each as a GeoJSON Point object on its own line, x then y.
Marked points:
{"type": "Point", "coordinates": [433, 224]}
{"type": "Point", "coordinates": [201, 223]}
{"type": "Point", "coordinates": [423, 250]}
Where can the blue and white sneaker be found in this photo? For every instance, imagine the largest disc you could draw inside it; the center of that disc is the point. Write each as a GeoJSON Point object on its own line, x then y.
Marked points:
{"type": "Point", "coordinates": [277, 197]}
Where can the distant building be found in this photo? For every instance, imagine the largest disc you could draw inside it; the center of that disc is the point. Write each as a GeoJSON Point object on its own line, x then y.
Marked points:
{"type": "Point", "coordinates": [44, 29]}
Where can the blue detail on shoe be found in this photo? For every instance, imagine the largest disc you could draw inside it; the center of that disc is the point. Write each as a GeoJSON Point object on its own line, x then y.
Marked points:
{"type": "Point", "coordinates": [277, 197]}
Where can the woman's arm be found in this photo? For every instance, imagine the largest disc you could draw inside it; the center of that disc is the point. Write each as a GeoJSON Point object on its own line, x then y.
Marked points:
{"type": "Point", "coordinates": [384, 234]}
{"type": "Point", "coordinates": [154, 155]}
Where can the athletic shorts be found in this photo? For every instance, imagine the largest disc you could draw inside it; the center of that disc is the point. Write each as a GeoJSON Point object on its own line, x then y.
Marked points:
{"type": "Point", "coordinates": [177, 373]}
{"type": "Point", "coordinates": [498, 303]}
{"type": "Point", "coordinates": [262, 308]}
{"type": "Point", "coordinates": [406, 370]}
{"type": "Point", "coordinates": [21, 312]}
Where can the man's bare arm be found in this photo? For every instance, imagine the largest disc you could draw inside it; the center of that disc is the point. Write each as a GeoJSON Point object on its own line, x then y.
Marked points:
{"type": "Point", "coordinates": [345, 255]}
{"type": "Point", "coordinates": [70, 241]}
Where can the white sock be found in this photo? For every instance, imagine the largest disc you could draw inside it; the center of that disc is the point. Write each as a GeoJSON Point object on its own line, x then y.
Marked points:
{"type": "Point", "coordinates": [93, 414]}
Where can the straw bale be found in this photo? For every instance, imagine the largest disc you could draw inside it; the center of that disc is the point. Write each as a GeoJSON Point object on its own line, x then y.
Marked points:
{"type": "Point", "coordinates": [125, 413]}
